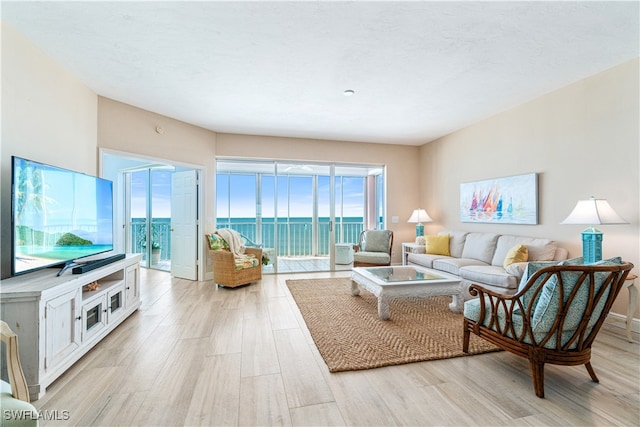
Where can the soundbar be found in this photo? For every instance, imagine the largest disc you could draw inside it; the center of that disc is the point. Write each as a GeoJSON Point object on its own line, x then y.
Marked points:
{"type": "Point", "coordinates": [92, 265]}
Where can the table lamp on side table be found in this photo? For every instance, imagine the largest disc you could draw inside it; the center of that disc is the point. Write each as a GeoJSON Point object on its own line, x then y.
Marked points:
{"type": "Point", "coordinates": [593, 212]}
{"type": "Point", "coordinates": [419, 216]}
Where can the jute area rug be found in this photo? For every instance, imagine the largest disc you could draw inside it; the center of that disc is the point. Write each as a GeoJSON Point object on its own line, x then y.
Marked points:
{"type": "Point", "coordinates": [350, 336]}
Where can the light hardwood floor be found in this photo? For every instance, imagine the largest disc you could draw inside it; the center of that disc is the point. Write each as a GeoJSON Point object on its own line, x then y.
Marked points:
{"type": "Point", "coordinates": [195, 354]}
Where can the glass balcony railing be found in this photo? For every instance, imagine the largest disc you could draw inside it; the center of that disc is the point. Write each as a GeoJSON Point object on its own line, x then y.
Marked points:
{"type": "Point", "coordinates": [160, 237]}
{"type": "Point", "coordinates": [295, 238]}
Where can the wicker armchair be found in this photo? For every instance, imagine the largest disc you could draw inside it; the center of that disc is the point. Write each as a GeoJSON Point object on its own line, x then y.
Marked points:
{"type": "Point", "coordinates": [373, 248]}
{"type": "Point", "coordinates": [553, 318]}
{"type": "Point", "coordinates": [225, 272]}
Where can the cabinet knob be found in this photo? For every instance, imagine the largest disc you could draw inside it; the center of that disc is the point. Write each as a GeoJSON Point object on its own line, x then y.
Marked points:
{"type": "Point", "coordinates": [79, 318]}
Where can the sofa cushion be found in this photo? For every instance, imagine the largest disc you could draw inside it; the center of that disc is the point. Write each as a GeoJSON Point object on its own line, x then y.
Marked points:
{"type": "Point", "coordinates": [480, 246]}
{"type": "Point", "coordinates": [453, 265]}
{"type": "Point", "coordinates": [489, 274]}
{"type": "Point", "coordinates": [538, 249]}
{"type": "Point", "coordinates": [516, 269]}
{"type": "Point", "coordinates": [545, 252]}
{"type": "Point", "coordinates": [425, 260]}
{"type": "Point", "coordinates": [437, 245]}
{"type": "Point", "coordinates": [518, 253]}
{"type": "Point", "coordinates": [456, 242]}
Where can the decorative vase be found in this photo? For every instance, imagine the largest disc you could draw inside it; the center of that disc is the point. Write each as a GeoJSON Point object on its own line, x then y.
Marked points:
{"type": "Point", "coordinates": [155, 256]}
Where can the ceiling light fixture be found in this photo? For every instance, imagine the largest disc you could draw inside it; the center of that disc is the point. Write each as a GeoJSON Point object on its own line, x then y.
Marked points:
{"type": "Point", "coordinates": [349, 92]}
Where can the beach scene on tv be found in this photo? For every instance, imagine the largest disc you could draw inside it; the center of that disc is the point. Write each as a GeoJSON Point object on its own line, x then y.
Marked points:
{"type": "Point", "coordinates": [58, 215]}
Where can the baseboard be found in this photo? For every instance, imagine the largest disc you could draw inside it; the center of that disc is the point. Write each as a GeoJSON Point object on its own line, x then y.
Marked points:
{"type": "Point", "coordinates": [620, 321]}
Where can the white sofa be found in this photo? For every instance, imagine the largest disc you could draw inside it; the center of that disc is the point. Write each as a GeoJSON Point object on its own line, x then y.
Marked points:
{"type": "Point", "coordinates": [479, 258]}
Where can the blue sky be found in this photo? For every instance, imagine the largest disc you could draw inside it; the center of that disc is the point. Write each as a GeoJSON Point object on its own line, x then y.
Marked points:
{"type": "Point", "coordinates": [298, 204]}
{"type": "Point", "coordinates": [72, 200]}
{"type": "Point", "coordinates": [160, 188]}
{"type": "Point", "coordinates": [243, 190]}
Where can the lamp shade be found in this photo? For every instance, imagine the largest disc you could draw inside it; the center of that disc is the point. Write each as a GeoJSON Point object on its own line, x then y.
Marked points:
{"type": "Point", "coordinates": [419, 215]}
{"type": "Point", "coordinates": [593, 211]}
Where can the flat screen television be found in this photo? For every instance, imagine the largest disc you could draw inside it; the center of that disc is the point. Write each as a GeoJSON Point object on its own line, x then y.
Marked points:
{"type": "Point", "coordinates": [58, 216]}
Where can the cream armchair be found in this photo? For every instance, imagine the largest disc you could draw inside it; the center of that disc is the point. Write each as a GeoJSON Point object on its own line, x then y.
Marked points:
{"type": "Point", "coordinates": [373, 248]}
{"type": "Point", "coordinates": [15, 408]}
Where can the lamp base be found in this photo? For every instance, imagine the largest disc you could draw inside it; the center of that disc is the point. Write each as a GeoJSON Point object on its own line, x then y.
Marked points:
{"type": "Point", "coordinates": [591, 245]}
{"type": "Point", "coordinates": [419, 230]}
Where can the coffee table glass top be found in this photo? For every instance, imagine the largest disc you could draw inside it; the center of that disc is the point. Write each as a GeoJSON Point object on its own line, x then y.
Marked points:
{"type": "Point", "coordinates": [401, 274]}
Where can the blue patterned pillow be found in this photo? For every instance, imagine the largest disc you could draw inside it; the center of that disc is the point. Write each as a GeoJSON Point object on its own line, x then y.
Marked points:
{"type": "Point", "coordinates": [530, 270]}
{"type": "Point", "coordinates": [548, 303]}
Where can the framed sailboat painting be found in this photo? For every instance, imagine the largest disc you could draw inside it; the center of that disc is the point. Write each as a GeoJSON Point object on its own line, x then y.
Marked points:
{"type": "Point", "coordinates": [507, 200]}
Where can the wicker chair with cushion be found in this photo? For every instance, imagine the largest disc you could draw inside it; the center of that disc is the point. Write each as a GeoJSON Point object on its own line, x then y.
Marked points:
{"type": "Point", "coordinates": [553, 318]}
{"type": "Point", "coordinates": [234, 268]}
{"type": "Point", "coordinates": [373, 248]}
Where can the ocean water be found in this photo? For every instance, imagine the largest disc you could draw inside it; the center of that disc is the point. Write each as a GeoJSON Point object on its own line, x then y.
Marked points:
{"type": "Point", "coordinates": [295, 235]}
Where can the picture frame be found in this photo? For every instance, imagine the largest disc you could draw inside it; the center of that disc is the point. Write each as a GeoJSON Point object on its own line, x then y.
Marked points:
{"type": "Point", "coordinates": [506, 200]}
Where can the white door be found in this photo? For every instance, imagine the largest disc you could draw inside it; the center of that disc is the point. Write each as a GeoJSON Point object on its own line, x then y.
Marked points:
{"type": "Point", "coordinates": [184, 225]}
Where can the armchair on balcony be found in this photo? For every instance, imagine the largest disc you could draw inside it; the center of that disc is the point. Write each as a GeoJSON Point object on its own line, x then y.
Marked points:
{"type": "Point", "coordinates": [553, 318]}
{"type": "Point", "coordinates": [233, 263]}
{"type": "Point", "coordinates": [373, 248]}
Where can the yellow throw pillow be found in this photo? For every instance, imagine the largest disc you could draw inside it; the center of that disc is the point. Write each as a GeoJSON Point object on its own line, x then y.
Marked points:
{"type": "Point", "coordinates": [437, 245]}
{"type": "Point", "coordinates": [518, 253]}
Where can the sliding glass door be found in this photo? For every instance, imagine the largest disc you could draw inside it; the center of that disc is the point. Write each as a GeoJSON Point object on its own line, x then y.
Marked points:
{"type": "Point", "coordinates": [149, 216]}
{"type": "Point", "coordinates": [297, 212]}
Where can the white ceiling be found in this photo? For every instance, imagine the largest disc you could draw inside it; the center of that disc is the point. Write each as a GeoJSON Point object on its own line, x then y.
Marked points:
{"type": "Point", "coordinates": [420, 70]}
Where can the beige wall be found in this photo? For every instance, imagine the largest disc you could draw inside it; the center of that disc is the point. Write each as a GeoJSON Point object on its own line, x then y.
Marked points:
{"type": "Point", "coordinates": [47, 115]}
{"type": "Point", "coordinates": [402, 164]}
{"type": "Point", "coordinates": [582, 140]}
{"type": "Point", "coordinates": [128, 129]}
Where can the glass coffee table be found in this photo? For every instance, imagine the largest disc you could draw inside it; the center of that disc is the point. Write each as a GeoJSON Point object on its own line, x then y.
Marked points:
{"type": "Point", "coordinates": [387, 283]}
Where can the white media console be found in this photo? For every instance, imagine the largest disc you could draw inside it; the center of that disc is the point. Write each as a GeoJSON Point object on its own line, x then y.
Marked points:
{"type": "Point", "coordinates": [57, 321]}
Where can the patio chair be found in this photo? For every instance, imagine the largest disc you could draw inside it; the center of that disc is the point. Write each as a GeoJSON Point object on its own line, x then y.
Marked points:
{"type": "Point", "coordinates": [553, 318]}
{"type": "Point", "coordinates": [373, 248]}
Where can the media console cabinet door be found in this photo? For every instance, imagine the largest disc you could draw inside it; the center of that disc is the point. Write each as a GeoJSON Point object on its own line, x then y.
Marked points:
{"type": "Point", "coordinates": [62, 335]}
{"type": "Point", "coordinates": [132, 285]}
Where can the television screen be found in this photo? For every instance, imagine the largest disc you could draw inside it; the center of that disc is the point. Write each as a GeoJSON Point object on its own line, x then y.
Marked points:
{"type": "Point", "coordinates": [58, 215]}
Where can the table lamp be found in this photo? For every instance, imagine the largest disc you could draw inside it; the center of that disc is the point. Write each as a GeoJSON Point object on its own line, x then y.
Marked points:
{"type": "Point", "coordinates": [419, 216]}
{"type": "Point", "coordinates": [592, 212]}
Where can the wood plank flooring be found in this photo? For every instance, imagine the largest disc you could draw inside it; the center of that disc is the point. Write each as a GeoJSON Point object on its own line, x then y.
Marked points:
{"type": "Point", "coordinates": [196, 354]}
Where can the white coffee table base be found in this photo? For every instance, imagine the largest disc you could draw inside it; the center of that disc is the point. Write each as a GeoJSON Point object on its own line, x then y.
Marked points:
{"type": "Point", "coordinates": [385, 292]}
